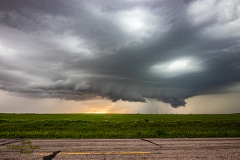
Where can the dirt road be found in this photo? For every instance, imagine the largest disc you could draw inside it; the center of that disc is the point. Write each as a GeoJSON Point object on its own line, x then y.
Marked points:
{"type": "Point", "coordinates": [143, 149]}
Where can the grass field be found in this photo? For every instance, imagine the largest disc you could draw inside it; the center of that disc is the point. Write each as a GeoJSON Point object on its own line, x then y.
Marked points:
{"type": "Point", "coordinates": [118, 125]}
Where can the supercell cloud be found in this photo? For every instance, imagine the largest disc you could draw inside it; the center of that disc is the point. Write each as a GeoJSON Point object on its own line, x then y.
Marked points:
{"type": "Point", "coordinates": [121, 50]}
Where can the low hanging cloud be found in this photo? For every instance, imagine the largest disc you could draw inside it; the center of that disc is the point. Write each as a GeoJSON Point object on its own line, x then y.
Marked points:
{"type": "Point", "coordinates": [126, 50]}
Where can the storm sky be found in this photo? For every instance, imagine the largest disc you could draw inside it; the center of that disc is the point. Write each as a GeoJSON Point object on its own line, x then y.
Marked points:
{"type": "Point", "coordinates": [134, 53]}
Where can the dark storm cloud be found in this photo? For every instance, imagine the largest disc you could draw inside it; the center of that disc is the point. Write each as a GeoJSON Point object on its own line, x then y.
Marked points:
{"type": "Point", "coordinates": [129, 50]}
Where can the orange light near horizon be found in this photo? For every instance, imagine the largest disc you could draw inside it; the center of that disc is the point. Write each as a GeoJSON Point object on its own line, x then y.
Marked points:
{"type": "Point", "coordinates": [100, 107]}
{"type": "Point", "coordinates": [97, 110]}
{"type": "Point", "coordinates": [104, 110]}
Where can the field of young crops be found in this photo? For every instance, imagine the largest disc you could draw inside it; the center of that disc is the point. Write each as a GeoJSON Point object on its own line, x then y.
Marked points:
{"type": "Point", "coordinates": [118, 125]}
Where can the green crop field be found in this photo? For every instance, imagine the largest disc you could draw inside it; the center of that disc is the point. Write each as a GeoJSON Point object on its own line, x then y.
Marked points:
{"type": "Point", "coordinates": [118, 125]}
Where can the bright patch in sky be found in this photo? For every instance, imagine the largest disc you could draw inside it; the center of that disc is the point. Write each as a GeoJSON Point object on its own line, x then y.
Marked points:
{"type": "Point", "coordinates": [178, 65]}
{"type": "Point", "coordinates": [133, 21]}
{"type": "Point", "coordinates": [6, 51]}
{"type": "Point", "coordinates": [176, 68]}
{"type": "Point", "coordinates": [136, 21]}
